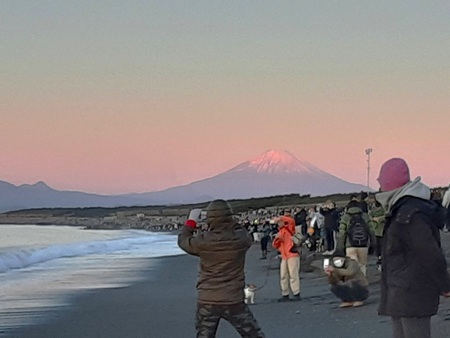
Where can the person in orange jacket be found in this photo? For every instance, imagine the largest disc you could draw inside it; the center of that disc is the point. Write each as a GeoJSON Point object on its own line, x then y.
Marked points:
{"type": "Point", "coordinates": [290, 258]}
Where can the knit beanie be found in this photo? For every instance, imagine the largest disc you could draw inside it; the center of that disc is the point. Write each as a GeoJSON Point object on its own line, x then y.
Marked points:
{"type": "Point", "coordinates": [219, 208]}
{"type": "Point", "coordinates": [394, 173]}
{"type": "Point", "coordinates": [338, 253]}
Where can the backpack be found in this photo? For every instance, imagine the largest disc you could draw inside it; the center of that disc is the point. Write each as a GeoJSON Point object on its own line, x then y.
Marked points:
{"type": "Point", "coordinates": [358, 232]}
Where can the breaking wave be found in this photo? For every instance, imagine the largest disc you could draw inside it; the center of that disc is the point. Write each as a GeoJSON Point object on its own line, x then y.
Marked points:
{"type": "Point", "coordinates": [152, 245]}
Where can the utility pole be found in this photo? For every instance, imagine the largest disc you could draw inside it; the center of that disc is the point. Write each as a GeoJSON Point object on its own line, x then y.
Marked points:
{"type": "Point", "coordinates": [368, 152]}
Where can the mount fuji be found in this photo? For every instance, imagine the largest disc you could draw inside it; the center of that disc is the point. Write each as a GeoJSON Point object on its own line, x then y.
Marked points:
{"type": "Point", "coordinates": [272, 173]}
{"type": "Point", "coordinates": [275, 172]}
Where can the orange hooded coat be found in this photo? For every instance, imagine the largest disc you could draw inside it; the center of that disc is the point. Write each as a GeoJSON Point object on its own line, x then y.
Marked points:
{"type": "Point", "coordinates": [283, 240]}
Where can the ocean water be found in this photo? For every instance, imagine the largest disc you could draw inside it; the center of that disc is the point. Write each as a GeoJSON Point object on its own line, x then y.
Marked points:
{"type": "Point", "coordinates": [42, 268]}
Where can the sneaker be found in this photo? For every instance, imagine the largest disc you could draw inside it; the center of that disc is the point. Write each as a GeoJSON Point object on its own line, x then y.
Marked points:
{"type": "Point", "coordinates": [345, 304]}
{"type": "Point", "coordinates": [296, 297]}
{"type": "Point", "coordinates": [283, 299]}
{"type": "Point", "coordinates": [358, 304]}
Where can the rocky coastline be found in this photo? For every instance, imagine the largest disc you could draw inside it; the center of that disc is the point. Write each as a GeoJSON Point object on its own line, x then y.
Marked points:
{"type": "Point", "coordinates": [151, 223]}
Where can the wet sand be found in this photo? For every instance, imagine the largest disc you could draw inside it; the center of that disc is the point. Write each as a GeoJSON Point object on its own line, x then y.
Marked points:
{"type": "Point", "coordinates": [164, 306]}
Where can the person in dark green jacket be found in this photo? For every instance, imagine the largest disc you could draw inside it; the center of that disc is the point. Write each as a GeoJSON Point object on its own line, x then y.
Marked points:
{"type": "Point", "coordinates": [357, 252]}
{"type": "Point", "coordinates": [347, 281]}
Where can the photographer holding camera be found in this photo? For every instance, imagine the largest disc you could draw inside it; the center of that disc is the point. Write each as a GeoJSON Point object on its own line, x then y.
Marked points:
{"type": "Point", "coordinates": [348, 283]}
{"type": "Point", "coordinates": [221, 279]}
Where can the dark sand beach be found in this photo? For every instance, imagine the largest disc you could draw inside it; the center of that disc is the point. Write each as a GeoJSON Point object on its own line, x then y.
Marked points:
{"type": "Point", "coordinates": [164, 306]}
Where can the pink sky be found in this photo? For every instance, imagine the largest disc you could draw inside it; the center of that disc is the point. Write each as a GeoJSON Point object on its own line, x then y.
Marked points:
{"type": "Point", "coordinates": [141, 99]}
{"type": "Point", "coordinates": [177, 141]}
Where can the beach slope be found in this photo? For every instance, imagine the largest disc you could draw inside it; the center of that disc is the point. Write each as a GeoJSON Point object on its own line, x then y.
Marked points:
{"type": "Point", "coordinates": [164, 306]}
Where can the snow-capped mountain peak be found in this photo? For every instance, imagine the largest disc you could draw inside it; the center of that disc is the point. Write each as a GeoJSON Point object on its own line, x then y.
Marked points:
{"type": "Point", "coordinates": [277, 162]}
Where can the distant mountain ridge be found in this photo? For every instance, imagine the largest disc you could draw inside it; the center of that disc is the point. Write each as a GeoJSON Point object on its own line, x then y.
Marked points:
{"type": "Point", "coordinates": [40, 195]}
{"type": "Point", "coordinates": [275, 172]}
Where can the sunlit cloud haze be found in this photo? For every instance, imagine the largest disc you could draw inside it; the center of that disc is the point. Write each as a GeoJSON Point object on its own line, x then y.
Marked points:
{"type": "Point", "coordinates": [132, 96]}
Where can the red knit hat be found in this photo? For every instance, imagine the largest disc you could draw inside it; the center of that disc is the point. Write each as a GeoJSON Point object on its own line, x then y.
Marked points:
{"type": "Point", "coordinates": [394, 173]}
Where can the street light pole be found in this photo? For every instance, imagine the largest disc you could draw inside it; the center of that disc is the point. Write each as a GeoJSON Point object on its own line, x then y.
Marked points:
{"type": "Point", "coordinates": [368, 152]}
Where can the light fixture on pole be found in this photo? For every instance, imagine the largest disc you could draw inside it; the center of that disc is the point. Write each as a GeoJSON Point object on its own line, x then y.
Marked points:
{"type": "Point", "coordinates": [368, 152]}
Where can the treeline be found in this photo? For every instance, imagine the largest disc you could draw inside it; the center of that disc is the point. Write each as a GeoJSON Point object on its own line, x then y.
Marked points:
{"type": "Point", "coordinates": [238, 205]}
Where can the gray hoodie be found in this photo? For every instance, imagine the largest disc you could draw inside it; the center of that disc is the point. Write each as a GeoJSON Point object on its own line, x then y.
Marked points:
{"type": "Point", "coordinates": [413, 188]}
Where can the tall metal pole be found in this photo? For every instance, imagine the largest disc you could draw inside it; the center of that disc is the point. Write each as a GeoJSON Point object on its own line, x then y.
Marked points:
{"type": "Point", "coordinates": [368, 152]}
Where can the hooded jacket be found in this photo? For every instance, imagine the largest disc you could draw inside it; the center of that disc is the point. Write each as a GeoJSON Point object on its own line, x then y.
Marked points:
{"type": "Point", "coordinates": [331, 218]}
{"type": "Point", "coordinates": [283, 240]}
{"type": "Point", "coordinates": [376, 216]}
{"type": "Point", "coordinates": [348, 274]}
{"type": "Point", "coordinates": [222, 251]}
{"type": "Point", "coordinates": [414, 269]}
{"type": "Point", "coordinates": [343, 242]}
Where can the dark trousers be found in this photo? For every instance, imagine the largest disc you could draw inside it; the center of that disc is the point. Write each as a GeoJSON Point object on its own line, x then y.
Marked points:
{"type": "Point", "coordinates": [239, 315]}
{"type": "Point", "coordinates": [350, 292]}
{"type": "Point", "coordinates": [304, 228]}
{"type": "Point", "coordinates": [313, 242]}
{"type": "Point", "coordinates": [411, 327]}
{"type": "Point", "coordinates": [378, 241]}
{"type": "Point", "coordinates": [447, 218]}
{"type": "Point", "coordinates": [264, 242]}
{"type": "Point", "coordinates": [329, 239]}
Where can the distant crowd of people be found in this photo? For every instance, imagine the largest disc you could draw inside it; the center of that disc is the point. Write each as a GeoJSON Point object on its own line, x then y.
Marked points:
{"type": "Point", "coordinates": [401, 226]}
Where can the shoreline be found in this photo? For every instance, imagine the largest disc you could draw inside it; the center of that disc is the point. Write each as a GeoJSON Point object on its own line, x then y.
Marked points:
{"type": "Point", "coordinates": [163, 305]}
{"type": "Point", "coordinates": [93, 223]}
{"type": "Point", "coordinates": [112, 312]}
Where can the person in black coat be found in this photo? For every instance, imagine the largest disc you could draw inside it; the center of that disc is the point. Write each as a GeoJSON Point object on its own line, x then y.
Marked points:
{"type": "Point", "coordinates": [414, 269]}
{"type": "Point", "coordinates": [300, 220]}
{"type": "Point", "coordinates": [331, 225]}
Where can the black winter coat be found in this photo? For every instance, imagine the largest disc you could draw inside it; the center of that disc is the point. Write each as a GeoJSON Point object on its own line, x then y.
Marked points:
{"type": "Point", "coordinates": [331, 221]}
{"type": "Point", "coordinates": [414, 269]}
{"type": "Point", "coordinates": [300, 217]}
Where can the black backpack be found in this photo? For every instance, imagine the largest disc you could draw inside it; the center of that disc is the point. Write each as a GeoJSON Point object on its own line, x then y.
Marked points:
{"type": "Point", "coordinates": [358, 232]}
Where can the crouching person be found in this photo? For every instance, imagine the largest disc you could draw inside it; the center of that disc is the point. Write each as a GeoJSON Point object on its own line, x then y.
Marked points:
{"type": "Point", "coordinates": [221, 281]}
{"type": "Point", "coordinates": [348, 283]}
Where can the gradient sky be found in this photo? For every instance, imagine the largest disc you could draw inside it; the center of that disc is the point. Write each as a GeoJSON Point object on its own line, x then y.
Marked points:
{"type": "Point", "coordinates": [131, 96]}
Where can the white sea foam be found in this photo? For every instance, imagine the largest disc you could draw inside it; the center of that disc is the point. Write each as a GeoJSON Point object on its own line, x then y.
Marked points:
{"type": "Point", "coordinates": [42, 267]}
{"type": "Point", "coordinates": [21, 258]}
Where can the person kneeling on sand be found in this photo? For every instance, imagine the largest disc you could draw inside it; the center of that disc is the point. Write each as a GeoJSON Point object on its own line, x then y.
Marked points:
{"type": "Point", "coordinates": [221, 281]}
{"type": "Point", "coordinates": [348, 283]}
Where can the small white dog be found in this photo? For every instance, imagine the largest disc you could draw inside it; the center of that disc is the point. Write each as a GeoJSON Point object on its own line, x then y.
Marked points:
{"type": "Point", "coordinates": [249, 291]}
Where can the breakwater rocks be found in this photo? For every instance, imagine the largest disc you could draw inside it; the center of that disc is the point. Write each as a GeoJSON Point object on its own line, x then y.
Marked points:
{"type": "Point", "coordinates": [109, 222]}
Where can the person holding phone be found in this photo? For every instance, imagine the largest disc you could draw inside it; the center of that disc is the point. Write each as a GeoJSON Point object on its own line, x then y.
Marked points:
{"type": "Point", "coordinates": [347, 281]}
{"type": "Point", "coordinates": [221, 280]}
{"type": "Point", "coordinates": [290, 258]}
